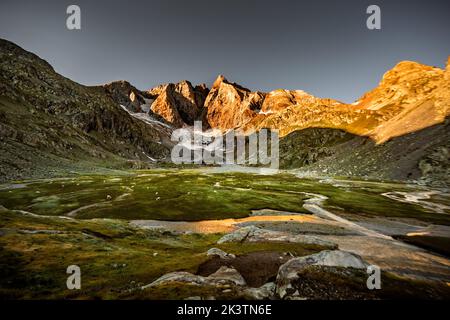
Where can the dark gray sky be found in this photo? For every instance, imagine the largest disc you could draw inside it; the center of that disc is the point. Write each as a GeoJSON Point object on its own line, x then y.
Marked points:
{"type": "Point", "coordinates": [322, 47]}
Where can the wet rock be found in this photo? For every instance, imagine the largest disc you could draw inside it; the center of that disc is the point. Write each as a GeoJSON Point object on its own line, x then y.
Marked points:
{"type": "Point", "coordinates": [266, 291]}
{"type": "Point", "coordinates": [238, 235]}
{"type": "Point", "coordinates": [224, 276]}
{"type": "Point", "coordinates": [227, 274]}
{"type": "Point", "coordinates": [255, 234]}
{"type": "Point", "coordinates": [288, 272]}
{"type": "Point", "coordinates": [220, 253]}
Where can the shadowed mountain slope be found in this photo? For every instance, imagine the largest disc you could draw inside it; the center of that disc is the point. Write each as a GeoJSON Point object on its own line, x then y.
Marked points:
{"type": "Point", "coordinates": [423, 155]}
{"type": "Point", "coordinates": [48, 122]}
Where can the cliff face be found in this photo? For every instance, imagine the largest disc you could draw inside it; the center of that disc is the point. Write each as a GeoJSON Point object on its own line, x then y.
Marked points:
{"type": "Point", "coordinates": [410, 97]}
{"type": "Point", "coordinates": [128, 96]}
{"type": "Point", "coordinates": [179, 104]}
{"type": "Point", "coordinates": [229, 105]}
{"type": "Point", "coordinates": [397, 131]}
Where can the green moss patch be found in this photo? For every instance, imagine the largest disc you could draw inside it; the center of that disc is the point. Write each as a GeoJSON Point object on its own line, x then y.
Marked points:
{"type": "Point", "coordinates": [191, 195]}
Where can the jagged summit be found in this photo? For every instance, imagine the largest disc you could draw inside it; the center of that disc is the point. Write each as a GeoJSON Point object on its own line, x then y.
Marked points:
{"type": "Point", "coordinates": [409, 97]}
{"type": "Point", "coordinates": [178, 103]}
{"type": "Point", "coordinates": [220, 78]}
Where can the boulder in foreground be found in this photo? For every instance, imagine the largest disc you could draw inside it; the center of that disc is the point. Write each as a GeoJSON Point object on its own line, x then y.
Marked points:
{"type": "Point", "coordinates": [289, 272]}
{"type": "Point", "coordinates": [223, 276]}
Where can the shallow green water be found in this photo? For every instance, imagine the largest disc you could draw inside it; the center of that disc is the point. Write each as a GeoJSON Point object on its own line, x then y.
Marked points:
{"type": "Point", "coordinates": [199, 194]}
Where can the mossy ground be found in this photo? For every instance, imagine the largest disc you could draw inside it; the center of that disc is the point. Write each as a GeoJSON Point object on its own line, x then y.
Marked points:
{"type": "Point", "coordinates": [198, 194]}
{"type": "Point", "coordinates": [115, 258]}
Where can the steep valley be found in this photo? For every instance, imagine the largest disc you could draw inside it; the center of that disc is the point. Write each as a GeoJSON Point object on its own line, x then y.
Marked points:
{"type": "Point", "coordinates": [52, 126]}
{"type": "Point", "coordinates": [86, 178]}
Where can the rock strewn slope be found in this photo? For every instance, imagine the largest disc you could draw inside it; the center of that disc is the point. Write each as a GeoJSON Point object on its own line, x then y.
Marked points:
{"type": "Point", "coordinates": [423, 155]}
{"type": "Point", "coordinates": [48, 121]}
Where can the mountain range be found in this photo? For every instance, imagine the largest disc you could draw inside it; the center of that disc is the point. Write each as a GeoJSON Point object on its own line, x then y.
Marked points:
{"type": "Point", "coordinates": [50, 125]}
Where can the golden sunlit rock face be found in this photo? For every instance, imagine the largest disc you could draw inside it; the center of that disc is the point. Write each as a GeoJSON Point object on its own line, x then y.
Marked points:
{"type": "Point", "coordinates": [229, 105]}
{"type": "Point", "coordinates": [179, 104]}
{"type": "Point", "coordinates": [409, 97]}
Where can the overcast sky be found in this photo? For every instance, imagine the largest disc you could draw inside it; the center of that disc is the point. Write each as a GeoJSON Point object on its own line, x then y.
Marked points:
{"type": "Point", "coordinates": [322, 47]}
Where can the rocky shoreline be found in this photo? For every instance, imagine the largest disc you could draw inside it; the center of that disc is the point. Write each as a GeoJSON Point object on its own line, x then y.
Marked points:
{"type": "Point", "coordinates": [291, 278]}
